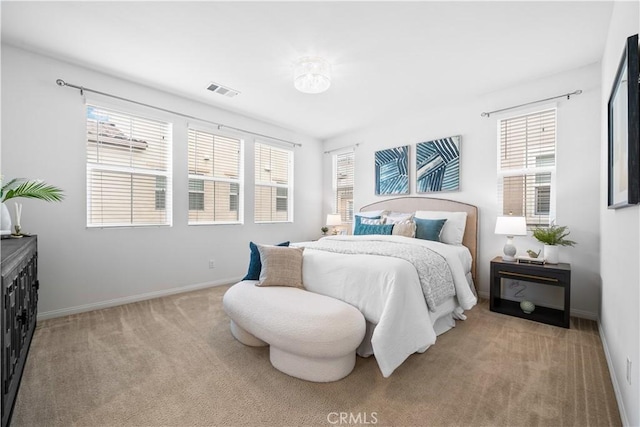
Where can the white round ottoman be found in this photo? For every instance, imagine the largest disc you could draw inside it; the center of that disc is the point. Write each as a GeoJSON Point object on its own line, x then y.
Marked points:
{"type": "Point", "coordinates": [312, 336]}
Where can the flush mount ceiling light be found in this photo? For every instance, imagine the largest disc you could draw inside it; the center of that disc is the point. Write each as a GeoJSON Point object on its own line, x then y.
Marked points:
{"type": "Point", "coordinates": [312, 75]}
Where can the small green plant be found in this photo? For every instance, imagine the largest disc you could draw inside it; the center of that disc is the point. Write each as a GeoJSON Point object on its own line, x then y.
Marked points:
{"type": "Point", "coordinates": [324, 230]}
{"type": "Point", "coordinates": [554, 235]}
{"type": "Point", "coordinates": [31, 189]}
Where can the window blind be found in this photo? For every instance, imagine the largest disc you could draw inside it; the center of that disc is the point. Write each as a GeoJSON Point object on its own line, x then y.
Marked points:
{"type": "Point", "coordinates": [128, 169]}
{"type": "Point", "coordinates": [214, 178]}
{"type": "Point", "coordinates": [526, 167]}
{"type": "Point", "coordinates": [273, 184]}
{"type": "Point", "coordinates": [343, 185]}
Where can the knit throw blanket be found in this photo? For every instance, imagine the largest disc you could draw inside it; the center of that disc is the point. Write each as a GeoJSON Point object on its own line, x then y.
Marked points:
{"type": "Point", "coordinates": [433, 271]}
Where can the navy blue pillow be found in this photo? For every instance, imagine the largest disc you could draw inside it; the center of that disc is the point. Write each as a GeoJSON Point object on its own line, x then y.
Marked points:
{"type": "Point", "coordinates": [363, 229]}
{"type": "Point", "coordinates": [255, 266]}
{"type": "Point", "coordinates": [429, 229]}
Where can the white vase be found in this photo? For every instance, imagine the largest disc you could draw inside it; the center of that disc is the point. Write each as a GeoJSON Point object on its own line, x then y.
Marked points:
{"type": "Point", "coordinates": [5, 219]}
{"type": "Point", "coordinates": [551, 254]}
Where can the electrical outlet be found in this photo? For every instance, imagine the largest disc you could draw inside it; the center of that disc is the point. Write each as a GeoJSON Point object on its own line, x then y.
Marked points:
{"type": "Point", "coordinates": [629, 371]}
{"type": "Point", "coordinates": [212, 263]}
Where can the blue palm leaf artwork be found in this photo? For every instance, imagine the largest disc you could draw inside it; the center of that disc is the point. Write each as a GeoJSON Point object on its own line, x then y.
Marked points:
{"type": "Point", "coordinates": [392, 171]}
{"type": "Point", "coordinates": [438, 165]}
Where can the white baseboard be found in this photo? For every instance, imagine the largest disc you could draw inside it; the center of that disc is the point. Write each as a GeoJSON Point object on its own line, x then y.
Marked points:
{"type": "Point", "coordinates": [133, 298]}
{"type": "Point", "coordinates": [614, 380]}
{"type": "Point", "coordinates": [583, 314]}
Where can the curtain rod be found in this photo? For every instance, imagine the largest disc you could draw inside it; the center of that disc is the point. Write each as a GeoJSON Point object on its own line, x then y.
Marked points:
{"type": "Point", "coordinates": [354, 146]}
{"type": "Point", "coordinates": [568, 95]}
{"type": "Point", "coordinates": [83, 89]}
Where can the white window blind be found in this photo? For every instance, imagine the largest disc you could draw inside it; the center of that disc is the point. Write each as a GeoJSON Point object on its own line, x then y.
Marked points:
{"type": "Point", "coordinates": [527, 165]}
{"type": "Point", "coordinates": [128, 169]}
{"type": "Point", "coordinates": [274, 184]}
{"type": "Point", "coordinates": [215, 178]}
{"type": "Point", "coordinates": [343, 177]}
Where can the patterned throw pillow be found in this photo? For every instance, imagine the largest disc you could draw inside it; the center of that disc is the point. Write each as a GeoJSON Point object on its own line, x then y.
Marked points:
{"type": "Point", "coordinates": [371, 221]}
{"type": "Point", "coordinates": [367, 229]}
{"type": "Point", "coordinates": [396, 217]}
{"type": "Point", "coordinates": [359, 219]}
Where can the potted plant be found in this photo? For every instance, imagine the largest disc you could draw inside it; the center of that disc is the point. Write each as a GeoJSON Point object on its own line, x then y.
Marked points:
{"type": "Point", "coordinates": [552, 237]}
{"type": "Point", "coordinates": [324, 230]}
{"type": "Point", "coordinates": [31, 189]}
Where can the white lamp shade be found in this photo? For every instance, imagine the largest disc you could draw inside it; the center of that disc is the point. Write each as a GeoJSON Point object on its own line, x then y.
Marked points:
{"type": "Point", "coordinates": [511, 226]}
{"type": "Point", "coordinates": [334, 219]}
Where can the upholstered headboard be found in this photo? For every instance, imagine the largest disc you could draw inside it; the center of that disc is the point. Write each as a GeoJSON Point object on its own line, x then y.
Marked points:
{"type": "Point", "coordinates": [412, 204]}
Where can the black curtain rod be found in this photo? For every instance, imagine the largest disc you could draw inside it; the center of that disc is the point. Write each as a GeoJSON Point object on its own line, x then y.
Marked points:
{"type": "Point", "coordinates": [83, 89]}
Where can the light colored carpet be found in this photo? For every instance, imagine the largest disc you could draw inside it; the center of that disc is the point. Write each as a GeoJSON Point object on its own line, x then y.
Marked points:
{"type": "Point", "coordinates": [173, 361]}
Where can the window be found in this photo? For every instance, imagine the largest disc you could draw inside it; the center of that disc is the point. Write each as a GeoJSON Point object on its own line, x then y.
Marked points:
{"type": "Point", "coordinates": [128, 169]}
{"type": "Point", "coordinates": [282, 200]}
{"type": "Point", "coordinates": [161, 192]}
{"type": "Point", "coordinates": [234, 197]}
{"type": "Point", "coordinates": [274, 184]}
{"type": "Point", "coordinates": [215, 164]}
{"type": "Point", "coordinates": [343, 176]}
{"type": "Point", "coordinates": [526, 168]}
{"type": "Point", "coordinates": [196, 195]}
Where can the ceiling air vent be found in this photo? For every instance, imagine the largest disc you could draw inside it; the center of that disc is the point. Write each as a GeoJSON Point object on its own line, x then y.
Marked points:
{"type": "Point", "coordinates": [222, 90]}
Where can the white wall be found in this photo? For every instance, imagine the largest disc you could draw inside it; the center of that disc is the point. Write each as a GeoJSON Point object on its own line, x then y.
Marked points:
{"type": "Point", "coordinates": [577, 176]}
{"type": "Point", "coordinates": [620, 231]}
{"type": "Point", "coordinates": [43, 136]}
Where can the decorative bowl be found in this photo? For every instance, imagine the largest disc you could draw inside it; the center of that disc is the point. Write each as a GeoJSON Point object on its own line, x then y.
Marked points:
{"type": "Point", "coordinates": [527, 307]}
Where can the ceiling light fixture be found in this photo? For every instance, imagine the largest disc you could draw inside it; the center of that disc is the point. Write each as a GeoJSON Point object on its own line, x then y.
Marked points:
{"type": "Point", "coordinates": [312, 75]}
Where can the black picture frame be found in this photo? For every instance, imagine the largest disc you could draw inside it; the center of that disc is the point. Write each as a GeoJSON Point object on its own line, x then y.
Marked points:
{"type": "Point", "coordinates": [624, 131]}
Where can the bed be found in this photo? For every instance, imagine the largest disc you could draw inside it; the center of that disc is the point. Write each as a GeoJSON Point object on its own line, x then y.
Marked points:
{"type": "Point", "coordinates": [403, 317]}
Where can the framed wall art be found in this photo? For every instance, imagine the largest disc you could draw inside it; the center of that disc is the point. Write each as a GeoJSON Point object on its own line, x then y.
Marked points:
{"type": "Point", "coordinates": [438, 165]}
{"type": "Point", "coordinates": [624, 131]}
{"type": "Point", "coordinates": [392, 171]}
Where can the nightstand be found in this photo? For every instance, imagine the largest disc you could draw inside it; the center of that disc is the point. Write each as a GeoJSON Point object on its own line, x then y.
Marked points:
{"type": "Point", "coordinates": [547, 274]}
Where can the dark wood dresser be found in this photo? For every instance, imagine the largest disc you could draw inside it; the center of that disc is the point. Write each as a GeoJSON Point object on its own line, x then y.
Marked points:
{"type": "Point", "coordinates": [19, 311]}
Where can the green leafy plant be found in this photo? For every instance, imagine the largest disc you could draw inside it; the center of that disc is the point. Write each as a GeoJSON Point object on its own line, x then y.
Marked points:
{"type": "Point", "coordinates": [30, 189]}
{"type": "Point", "coordinates": [324, 230]}
{"type": "Point", "coordinates": [554, 235]}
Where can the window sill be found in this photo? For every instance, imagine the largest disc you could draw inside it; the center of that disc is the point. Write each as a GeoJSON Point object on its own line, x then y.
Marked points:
{"type": "Point", "coordinates": [273, 222]}
{"type": "Point", "coordinates": [215, 223]}
{"type": "Point", "coordinates": [93, 227]}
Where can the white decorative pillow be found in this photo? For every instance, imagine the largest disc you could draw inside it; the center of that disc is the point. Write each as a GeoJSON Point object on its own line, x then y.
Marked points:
{"type": "Point", "coordinates": [406, 229]}
{"type": "Point", "coordinates": [371, 221]}
{"type": "Point", "coordinates": [372, 214]}
{"type": "Point", "coordinates": [281, 266]}
{"type": "Point", "coordinates": [396, 217]}
{"type": "Point", "coordinates": [453, 230]}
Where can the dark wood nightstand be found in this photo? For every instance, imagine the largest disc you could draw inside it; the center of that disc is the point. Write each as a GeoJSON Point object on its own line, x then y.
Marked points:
{"type": "Point", "coordinates": [548, 274]}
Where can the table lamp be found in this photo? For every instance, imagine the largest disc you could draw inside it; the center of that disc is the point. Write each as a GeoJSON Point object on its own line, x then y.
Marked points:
{"type": "Point", "coordinates": [511, 226]}
{"type": "Point", "coordinates": [333, 220]}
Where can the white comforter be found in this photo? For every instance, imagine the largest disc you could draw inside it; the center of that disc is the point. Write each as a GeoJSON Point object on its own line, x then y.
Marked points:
{"type": "Point", "coordinates": [388, 293]}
